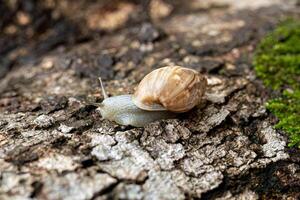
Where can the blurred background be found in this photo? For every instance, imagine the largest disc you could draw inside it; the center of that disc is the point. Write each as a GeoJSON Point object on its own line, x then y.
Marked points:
{"type": "Point", "coordinates": [33, 27]}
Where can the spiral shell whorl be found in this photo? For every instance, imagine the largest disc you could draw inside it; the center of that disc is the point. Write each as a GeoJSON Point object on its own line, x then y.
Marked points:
{"type": "Point", "coordinates": [172, 88]}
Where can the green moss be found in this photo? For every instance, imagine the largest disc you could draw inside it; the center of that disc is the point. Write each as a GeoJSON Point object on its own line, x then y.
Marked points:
{"type": "Point", "coordinates": [287, 109]}
{"type": "Point", "coordinates": [277, 60]}
{"type": "Point", "coordinates": [277, 63]}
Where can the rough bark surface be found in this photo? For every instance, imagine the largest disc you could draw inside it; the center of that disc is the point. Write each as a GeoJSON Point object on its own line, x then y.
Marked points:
{"type": "Point", "coordinates": [54, 144]}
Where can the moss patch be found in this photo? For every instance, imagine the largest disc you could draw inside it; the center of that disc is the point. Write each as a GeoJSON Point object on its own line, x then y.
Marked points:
{"type": "Point", "coordinates": [277, 63]}
{"type": "Point", "coordinates": [287, 109]}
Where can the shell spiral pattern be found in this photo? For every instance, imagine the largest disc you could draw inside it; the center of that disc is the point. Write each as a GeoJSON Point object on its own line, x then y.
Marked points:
{"type": "Point", "coordinates": [172, 88]}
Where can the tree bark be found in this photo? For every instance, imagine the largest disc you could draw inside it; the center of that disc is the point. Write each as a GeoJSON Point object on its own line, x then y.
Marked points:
{"type": "Point", "coordinates": [55, 145]}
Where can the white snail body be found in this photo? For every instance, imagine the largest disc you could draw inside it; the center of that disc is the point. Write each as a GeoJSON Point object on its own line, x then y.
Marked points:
{"type": "Point", "coordinates": [122, 110]}
{"type": "Point", "coordinates": [160, 95]}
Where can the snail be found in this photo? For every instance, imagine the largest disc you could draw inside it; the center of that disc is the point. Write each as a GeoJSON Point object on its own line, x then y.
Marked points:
{"type": "Point", "coordinates": [161, 94]}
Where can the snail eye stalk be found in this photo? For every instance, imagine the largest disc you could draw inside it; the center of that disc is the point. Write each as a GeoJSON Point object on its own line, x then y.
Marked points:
{"type": "Point", "coordinates": [102, 88]}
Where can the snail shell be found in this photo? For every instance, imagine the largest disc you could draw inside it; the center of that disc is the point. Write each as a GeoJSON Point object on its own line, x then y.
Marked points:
{"type": "Point", "coordinates": [160, 95]}
{"type": "Point", "coordinates": [172, 88]}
